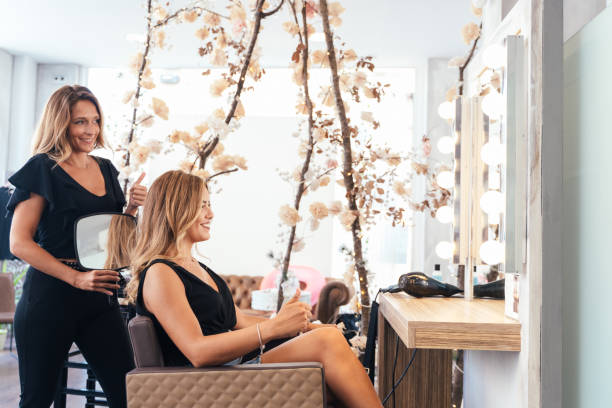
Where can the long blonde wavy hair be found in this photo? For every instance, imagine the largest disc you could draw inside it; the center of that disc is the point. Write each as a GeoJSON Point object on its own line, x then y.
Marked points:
{"type": "Point", "coordinates": [172, 205]}
{"type": "Point", "coordinates": [51, 136]}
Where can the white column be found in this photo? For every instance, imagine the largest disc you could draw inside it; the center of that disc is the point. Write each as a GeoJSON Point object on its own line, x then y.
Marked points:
{"type": "Point", "coordinates": [23, 100]}
{"type": "Point", "coordinates": [6, 73]}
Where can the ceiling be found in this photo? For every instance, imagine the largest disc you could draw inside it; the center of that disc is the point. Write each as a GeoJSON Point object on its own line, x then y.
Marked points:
{"type": "Point", "coordinates": [93, 32]}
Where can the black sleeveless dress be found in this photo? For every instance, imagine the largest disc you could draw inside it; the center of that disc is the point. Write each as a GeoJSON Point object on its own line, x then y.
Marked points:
{"type": "Point", "coordinates": [214, 310]}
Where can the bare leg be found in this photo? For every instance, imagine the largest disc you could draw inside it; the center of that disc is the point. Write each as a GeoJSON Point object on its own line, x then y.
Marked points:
{"type": "Point", "coordinates": [344, 374]}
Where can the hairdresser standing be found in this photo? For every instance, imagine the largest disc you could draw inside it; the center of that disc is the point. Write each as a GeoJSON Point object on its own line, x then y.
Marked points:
{"type": "Point", "coordinates": [60, 303]}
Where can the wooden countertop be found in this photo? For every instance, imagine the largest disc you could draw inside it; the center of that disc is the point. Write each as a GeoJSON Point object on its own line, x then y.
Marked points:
{"type": "Point", "coordinates": [451, 323]}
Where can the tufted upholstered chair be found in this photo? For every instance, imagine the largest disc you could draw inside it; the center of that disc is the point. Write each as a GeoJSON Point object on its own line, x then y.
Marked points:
{"type": "Point", "coordinates": [333, 295]}
{"type": "Point", "coordinates": [151, 385]}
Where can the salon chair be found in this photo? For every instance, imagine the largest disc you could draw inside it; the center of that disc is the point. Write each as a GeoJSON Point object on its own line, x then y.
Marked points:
{"type": "Point", "coordinates": [282, 385]}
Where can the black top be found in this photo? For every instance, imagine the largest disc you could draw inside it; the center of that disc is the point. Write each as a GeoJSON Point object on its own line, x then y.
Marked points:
{"type": "Point", "coordinates": [66, 199]}
{"type": "Point", "coordinates": [214, 310]}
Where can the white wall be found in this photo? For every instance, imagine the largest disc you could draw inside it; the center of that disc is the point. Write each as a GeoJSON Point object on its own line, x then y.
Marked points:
{"type": "Point", "coordinates": [50, 78]}
{"type": "Point", "coordinates": [577, 13]}
{"type": "Point", "coordinates": [587, 331]}
{"type": "Point", "coordinates": [6, 73]}
{"type": "Point", "coordinates": [23, 104]}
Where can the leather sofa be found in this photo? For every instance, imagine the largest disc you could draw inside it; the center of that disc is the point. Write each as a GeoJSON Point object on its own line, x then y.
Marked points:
{"type": "Point", "coordinates": [333, 295]}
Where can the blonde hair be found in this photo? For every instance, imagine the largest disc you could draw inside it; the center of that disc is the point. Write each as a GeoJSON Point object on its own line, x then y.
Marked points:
{"type": "Point", "coordinates": [51, 136]}
{"type": "Point", "coordinates": [172, 205]}
{"type": "Point", "coordinates": [120, 241]}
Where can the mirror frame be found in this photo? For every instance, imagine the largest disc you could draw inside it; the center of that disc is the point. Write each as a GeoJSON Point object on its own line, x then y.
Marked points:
{"type": "Point", "coordinates": [76, 222]}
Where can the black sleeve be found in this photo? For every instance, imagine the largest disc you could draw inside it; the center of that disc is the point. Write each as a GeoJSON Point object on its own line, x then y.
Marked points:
{"type": "Point", "coordinates": [33, 177]}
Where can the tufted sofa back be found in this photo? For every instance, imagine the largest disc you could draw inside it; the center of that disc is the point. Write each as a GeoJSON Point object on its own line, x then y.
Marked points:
{"type": "Point", "coordinates": [241, 287]}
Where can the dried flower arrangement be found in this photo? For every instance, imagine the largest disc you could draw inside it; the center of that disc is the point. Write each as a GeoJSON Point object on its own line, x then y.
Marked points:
{"type": "Point", "coordinates": [224, 43]}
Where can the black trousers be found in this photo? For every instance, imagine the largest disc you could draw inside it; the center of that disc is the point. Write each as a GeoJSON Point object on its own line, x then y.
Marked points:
{"type": "Point", "coordinates": [50, 316]}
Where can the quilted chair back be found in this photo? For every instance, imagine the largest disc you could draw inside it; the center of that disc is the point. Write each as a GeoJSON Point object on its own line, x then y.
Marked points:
{"type": "Point", "coordinates": [147, 352]}
{"type": "Point", "coordinates": [241, 287]}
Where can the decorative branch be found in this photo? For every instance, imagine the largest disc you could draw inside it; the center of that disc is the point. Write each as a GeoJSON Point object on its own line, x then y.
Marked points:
{"type": "Point", "coordinates": [349, 182]}
{"type": "Point", "coordinates": [210, 145]}
{"type": "Point", "coordinates": [467, 61]}
{"type": "Point", "coordinates": [269, 13]}
{"type": "Point", "coordinates": [184, 9]}
{"type": "Point", "coordinates": [220, 173]}
{"type": "Point", "coordinates": [301, 187]}
{"type": "Point", "coordinates": [137, 94]}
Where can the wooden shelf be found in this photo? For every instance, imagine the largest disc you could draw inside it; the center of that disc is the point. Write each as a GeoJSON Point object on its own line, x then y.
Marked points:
{"type": "Point", "coordinates": [451, 323]}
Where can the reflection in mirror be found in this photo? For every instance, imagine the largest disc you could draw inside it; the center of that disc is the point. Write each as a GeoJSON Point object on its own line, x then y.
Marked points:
{"type": "Point", "coordinates": [104, 241]}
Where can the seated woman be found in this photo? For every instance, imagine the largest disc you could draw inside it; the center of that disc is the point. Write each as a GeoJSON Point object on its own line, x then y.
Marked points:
{"type": "Point", "coordinates": [192, 308]}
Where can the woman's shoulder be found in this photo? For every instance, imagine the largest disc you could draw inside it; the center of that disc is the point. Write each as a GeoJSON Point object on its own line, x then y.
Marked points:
{"type": "Point", "coordinates": [161, 274]}
{"type": "Point", "coordinates": [39, 161]}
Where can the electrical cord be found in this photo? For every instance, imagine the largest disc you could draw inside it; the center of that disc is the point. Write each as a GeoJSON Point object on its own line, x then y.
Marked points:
{"type": "Point", "coordinates": [395, 364]}
{"type": "Point", "coordinates": [395, 385]}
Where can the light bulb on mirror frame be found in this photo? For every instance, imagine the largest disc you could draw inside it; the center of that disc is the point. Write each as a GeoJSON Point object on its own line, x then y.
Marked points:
{"type": "Point", "coordinates": [492, 252]}
{"type": "Point", "coordinates": [493, 153]}
{"type": "Point", "coordinates": [445, 179]}
{"type": "Point", "coordinates": [494, 56]}
{"type": "Point", "coordinates": [445, 249]}
{"type": "Point", "coordinates": [446, 110]}
{"type": "Point", "coordinates": [446, 145]}
{"type": "Point", "coordinates": [493, 104]}
{"type": "Point", "coordinates": [444, 214]}
{"type": "Point", "coordinates": [492, 202]}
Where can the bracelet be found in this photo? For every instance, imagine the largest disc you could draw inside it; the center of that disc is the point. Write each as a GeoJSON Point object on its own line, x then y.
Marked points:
{"type": "Point", "coordinates": [261, 345]}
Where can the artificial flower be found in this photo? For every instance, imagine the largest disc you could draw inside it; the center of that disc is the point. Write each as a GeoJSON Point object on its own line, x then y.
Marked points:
{"type": "Point", "coordinates": [212, 19]}
{"type": "Point", "coordinates": [201, 128]}
{"type": "Point", "coordinates": [146, 120]}
{"type": "Point", "coordinates": [318, 210]}
{"type": "Point", "coordinates": [470, 32]}
{"type": "Point", "coordinates": [451, 94]}
{"type": "Point", "coordinates": [347, 218]}
{"type": "Point", "coordinates": [218, 86]}
{"type": "Point", "coordinates": [160, 13]}
{"type": "Point", "coordinates": [314, 224]}
{"type": "Point", "coordinates": [298, 245]}
{"type": "Point", "coordinates": [160, 38]}
{"type": "Point", "coordinates": [335, 9]}
{"type": "Point", "coordinates": [291, 28]}
{"type": "Point", "coordinates": [289, 215]}
{"type": "Point", "coordinates": [201, 173]}
{"type": "Point", "coordinates": [219, 58]}
{"type": "Point", "coordinates": [128, 96]}
{"type": "Point", "coordinates": [190, 16]}
{"type": "Point", "coordinates": [239, 110]}
{"type": "Point", "coordinates": [147, 83]}
{"type": "Point", "coordinates": [367, 116]}
{"type": "Point", "coordinates": [456, 62]}
{"type": "Point", "coordinates": [160, 108]}
{"type": "Point", "coordinates": [400, 189]}
{"type": "Point", "coordinates": [350, 55]}
{"type": "Point", "coordinates": [219, 149]}
{"type": "Point", "coordinates": [186, 165]}
{"type": "Point", "coordinates": [202, 33]}
{"type": "Point", "coordinates": [359, 78]}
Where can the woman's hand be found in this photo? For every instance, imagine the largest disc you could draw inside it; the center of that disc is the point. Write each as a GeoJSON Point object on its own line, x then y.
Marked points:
{"type": "Point", "coordinates": [97, 281]}
{"type": "Point", "coordinates": [292, 318]}
{"type": "Point", "coordinates": [137, 196]}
